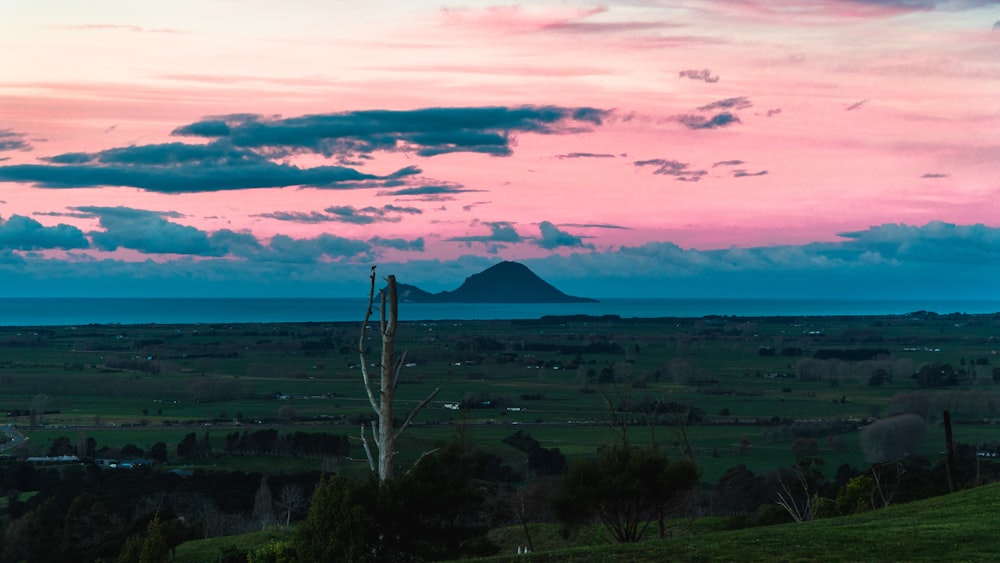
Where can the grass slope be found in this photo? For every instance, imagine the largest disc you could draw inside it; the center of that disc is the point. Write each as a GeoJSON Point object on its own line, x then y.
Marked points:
{"type": "Point", "coordinates": [207, 551]}
{"type": "Point", "coordinates": [956, 527]}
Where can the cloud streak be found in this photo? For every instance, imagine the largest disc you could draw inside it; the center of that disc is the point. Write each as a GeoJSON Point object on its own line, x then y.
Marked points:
{"type": "Point", "coordinates": [704, 75]}
{"type": "Point", "coordinates": [346, 214]}
{"type": "Point", "coordinates": [553, 237]}
{"type": "Point", "coordinates": [692, 121]}
{"type": "Point", "coordinates": [182, 168]}
{"type": "Point", "coordinates": [11, 141]}
{"type": "Point", "coordinates": [243, 149]}
{"type": "Point", "coordinates": [665, 167]}
{"type": "Point", "coordinates": [425, 132]}
{"type": "Point", "coordinates": [428, 190]}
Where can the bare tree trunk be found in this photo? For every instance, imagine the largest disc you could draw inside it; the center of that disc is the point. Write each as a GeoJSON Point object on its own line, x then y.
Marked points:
{"type": "Point", "coordinates": [389, 370]}
{"type": "Point", "coordinates": [950, 451]}
{"type": "Point", "coordinates": [386, 444]}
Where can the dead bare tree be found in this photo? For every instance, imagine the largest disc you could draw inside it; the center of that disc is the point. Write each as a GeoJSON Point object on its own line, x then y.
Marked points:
{"type": "Point", "coordinates": [382, 430]}
{"type": "Point", "coordinates": [787, 499]}
{"type": "Point", "coordinates": [291, 499]}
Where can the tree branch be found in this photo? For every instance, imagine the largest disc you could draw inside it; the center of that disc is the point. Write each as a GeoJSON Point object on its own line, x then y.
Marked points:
{"type": "Point", "coordinates": [368, 449]}
{"type": "Point", "coordinates": [397, 369]}
{"type": "Point", "coordinates": [419, 459]}
{"type": "Point", "coordinates": [414, 412]}
{"type": "Point", "coordinates": [361, 347]}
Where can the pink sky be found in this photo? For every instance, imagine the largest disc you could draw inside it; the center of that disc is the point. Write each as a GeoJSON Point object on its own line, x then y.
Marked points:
{"type": "Point", "coordinates": [723, 123]}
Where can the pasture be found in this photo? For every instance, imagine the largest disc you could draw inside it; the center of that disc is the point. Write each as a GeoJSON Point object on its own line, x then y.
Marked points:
{"type": "Point", "coordinates": [727, 388]}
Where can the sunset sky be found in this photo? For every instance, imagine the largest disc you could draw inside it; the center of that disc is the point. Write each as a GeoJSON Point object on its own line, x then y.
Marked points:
{"type": "Point", "coordinates": [700, 148]}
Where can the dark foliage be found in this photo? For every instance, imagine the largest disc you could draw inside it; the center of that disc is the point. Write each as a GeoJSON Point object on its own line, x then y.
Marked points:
{"type": "Point", "coordinates": [936, 375]}
{"type": "Point", "coordinates": [852, 354]}
{"type": "Point", "coordinates": [292, 443]}
{"type": "Point", "coordinates": [440, 509]}
{"type": "Point", "coordinates": [624, 489]}
{"type": "Point", "coordinates": [541, 461]}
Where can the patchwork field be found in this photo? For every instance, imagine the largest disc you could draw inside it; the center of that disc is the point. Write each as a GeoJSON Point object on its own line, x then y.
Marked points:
{"type": "Point", "coordinates": [727, 388]}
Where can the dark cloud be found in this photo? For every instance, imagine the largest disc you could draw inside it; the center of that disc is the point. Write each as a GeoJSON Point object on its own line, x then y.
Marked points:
{"type": "Point", "coordinates": [888, 261]}
{"type": "Point", "coordinates": [856, 105]}
{"type": "Point", "coordinates": [923, 264]}
{"type": "Point", "coordinates": [367, 215]}
{"type": "Point", "coordinates": [236, 243]}
{"type": "Point", "coordinates": [345, 214]}
{"type": "Point", "coordinates": [415, 245]}
{"type": "Point", "coordinates": [705, 75]}
{"type": "Point", "coordinates": [183, 168]}
{"type": "Point", "coordinates": [74, 214]}
{"type": "Point", "coordinates": [474, 204]}
{"type": "Point", "coordinates": [400, 209]}
{"type": "Point", "coordinates": [426, 132]}
{"type": "Point", "coordinates": [744, 173]}
{"type": "Point", "coordinates": [24, 233]}
{"type": "Point", "coordinates": [428, 190]}
{"type": "Point", "coordinates": [727, 163]}
{"type": "Point", "coordinates": [772, 112]}
{"type": "Point", "coordinates": [700, 122]}
{"type": "Point", "coordinates": [96, 212]}
{"type": "Point", "coordinates": [11, 141]}
{"type": "Point", "coordinates": [500, 232]}
{"type": "Point", "coordinates": [149, 232]}
{"type": "Point", "coordinates": [297, 216]}
{"type": "Point", "coordinates": [339, 247]}
{"type": "Point", "coordinates": [552, 237]}
{"type": "Point", "coordinates": [680, 170]}
{"type": "Point", "coordinates": [243, 148]}
{"type": "Point", "coordinates": [934, 175]}
{"type": "Point", "coordinates": [935, 242]}
{"type": "Point", "coordinates": [584, 155]}
{"type": "Point", "coordinates": [283, 249]}
{"type": "Point", "coordinates": [741, 102]}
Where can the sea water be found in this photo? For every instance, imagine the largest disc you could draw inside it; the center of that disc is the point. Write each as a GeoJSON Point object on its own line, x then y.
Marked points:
{"type": "Point", "coordinates": [83, 311]}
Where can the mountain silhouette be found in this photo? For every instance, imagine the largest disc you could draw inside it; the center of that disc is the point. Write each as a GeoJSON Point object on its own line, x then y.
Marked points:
{"type": "Point", "coordinates": [506, 282]}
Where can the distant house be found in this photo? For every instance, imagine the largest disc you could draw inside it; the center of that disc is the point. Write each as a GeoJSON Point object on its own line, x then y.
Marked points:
{"type": "Point", "coordinates": [124, 464]}
{"type": "Point", "coordinates": [52, 459]}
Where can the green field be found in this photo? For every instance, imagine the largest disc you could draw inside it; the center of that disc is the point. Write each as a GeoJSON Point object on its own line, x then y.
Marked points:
{"type": "Point", "coordinates": [144, 384]}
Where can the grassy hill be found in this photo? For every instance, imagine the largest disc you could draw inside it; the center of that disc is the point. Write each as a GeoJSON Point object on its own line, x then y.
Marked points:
{"type": "Point", "coordinates": [958, 527]}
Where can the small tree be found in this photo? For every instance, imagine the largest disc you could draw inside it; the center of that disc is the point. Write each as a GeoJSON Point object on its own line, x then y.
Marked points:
{"type": "Point", "coordinates": [624, 488]}
{"type": "Point", "coordinates": [263, 505]}
{"type": "Point", "coordinates": [339, 526]}
{"type": "Point", "coordinates": [892, 439]}
{"type": "Point", "coordinates": [150, 547]}
{"type": "Point", "coordinates": [384, 434]}
{"type": "Point", "coordinates": [885, 444]}
{"type": "Point", "coordinates": [290, 499]}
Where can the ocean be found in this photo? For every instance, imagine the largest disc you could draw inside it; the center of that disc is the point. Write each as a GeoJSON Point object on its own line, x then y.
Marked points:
{"type": "Point", "coordinates": [83, 311]}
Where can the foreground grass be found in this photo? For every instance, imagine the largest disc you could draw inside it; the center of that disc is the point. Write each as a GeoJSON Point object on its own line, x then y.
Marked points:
{"type": "Point", "coordinates": [207, 551]}
{"type": "Point", "coordinates": [957, 527]}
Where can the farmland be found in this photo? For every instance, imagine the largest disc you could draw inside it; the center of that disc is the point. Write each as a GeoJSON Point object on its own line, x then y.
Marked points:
{"type": "Point", "coordinates": [733, 385]}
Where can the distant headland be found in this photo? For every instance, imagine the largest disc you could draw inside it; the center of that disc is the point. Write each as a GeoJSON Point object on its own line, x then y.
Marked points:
{"type": "Point", "coordinates": [506, 282]}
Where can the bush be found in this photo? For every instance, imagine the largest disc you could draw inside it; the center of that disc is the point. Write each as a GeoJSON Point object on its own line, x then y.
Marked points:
{"type": "Point", "coordinates": [624, 488]}
{"type": "Point", "coordinates": [231, 554]}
